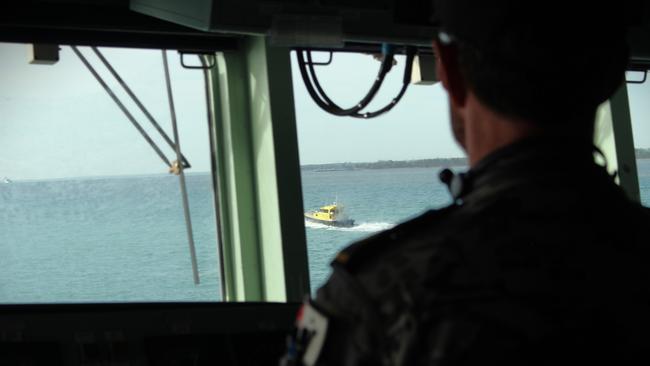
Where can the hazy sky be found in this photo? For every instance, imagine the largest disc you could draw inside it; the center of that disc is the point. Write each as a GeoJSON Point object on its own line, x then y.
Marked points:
{"type": "Point", "coordinates": [56, 121]}
{"type": "Point", "coordinates": [417, 128]}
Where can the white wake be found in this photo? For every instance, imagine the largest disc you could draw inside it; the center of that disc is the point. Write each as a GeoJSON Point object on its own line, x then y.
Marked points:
{"type": "Point", "coordinates": [366, 227]}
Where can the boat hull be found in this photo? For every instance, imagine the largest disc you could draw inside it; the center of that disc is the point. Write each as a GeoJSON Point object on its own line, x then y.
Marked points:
{"type": "Point", "coordinates": [334, 223]}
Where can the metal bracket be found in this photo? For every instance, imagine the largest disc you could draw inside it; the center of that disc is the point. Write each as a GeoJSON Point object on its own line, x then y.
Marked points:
{"type": "Point", "coordinates": [212, 60]}
{"type": "Point", "coordinates": [326, 63]}
{"type": "Point", "coordinates": [642, 81]}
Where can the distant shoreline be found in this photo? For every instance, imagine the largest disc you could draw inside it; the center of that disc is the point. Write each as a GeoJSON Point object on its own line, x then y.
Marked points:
{"type": "Point", "coordinates": [642, 153]}
{"type": "Point", "coordinates": [417, 163]}
{"type": "Point", "coordinates": [386, 164]}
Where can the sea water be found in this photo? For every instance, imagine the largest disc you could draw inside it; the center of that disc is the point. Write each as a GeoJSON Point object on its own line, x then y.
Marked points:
{"type": "Point", "coordinates": [123, 239]}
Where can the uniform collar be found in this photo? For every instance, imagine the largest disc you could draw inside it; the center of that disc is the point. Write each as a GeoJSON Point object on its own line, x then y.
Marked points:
{"type": "Point", "coordinates": [541, 157]}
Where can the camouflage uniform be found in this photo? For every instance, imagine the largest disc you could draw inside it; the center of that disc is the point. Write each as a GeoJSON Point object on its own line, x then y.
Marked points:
{"type": "Point", "coordinates": [541, 260]}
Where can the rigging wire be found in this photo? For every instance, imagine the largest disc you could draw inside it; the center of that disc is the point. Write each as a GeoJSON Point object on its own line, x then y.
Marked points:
{"type": "Point", "coordinates": [135, 99]}
{"type": "Point", "coordinates": [121, 106]}
{"type": "Point", "coordinates": [320, 97]}
{"type": "Point", "coordinates": [181, 162]}
{"type": "Point", "coordinates": [181, 174]}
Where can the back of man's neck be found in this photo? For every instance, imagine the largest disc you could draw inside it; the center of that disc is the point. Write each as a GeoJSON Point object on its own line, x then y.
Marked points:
{"type": "Point", "coordinates": [487, 131]}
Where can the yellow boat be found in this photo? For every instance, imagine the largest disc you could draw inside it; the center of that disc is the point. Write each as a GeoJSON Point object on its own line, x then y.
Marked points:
{"type": "Point", "coordinates": [331, 215]}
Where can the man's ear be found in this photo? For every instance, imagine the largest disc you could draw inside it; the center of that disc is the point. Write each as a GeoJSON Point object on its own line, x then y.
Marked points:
{"type": "Point", "coordinates": [448, 71]}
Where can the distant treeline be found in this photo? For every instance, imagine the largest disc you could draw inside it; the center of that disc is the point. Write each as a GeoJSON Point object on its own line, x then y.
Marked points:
{"type": "Point", "coordinates": [388, 164]}
{"type": "Point", "coordinates": [421, 163]}
{"type": "Point", "coordinates": [642, 153]}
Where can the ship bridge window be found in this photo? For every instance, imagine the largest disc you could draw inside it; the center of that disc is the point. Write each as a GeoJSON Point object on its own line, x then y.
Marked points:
{"type": "Point", "coordinates": [89, 211]}
{"type": "Point", "coordinates": [373, 187]}
{"type": "Point", "coordinates": [377, 188]}
{"type": "Point", "coordinates": [640, 114]}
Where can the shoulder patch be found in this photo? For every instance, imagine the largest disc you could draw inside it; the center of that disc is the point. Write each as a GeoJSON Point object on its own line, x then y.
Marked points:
{"type": "Point", "coordinates": [365, 250]}
{"type": "Point", "coordinates": [312, 325]}
{"type": "Point", "coordinates": [305, 345]}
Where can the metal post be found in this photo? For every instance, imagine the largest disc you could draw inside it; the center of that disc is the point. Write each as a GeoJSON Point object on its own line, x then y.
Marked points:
{"type": "Point", "coordinates": [613, 135]}
{"type": "Point", "coordinates": [264, 247]}
{"type": "Point", "coordinates": [626, 157]}
{"type": "Point", "coordinates": [279, 192]}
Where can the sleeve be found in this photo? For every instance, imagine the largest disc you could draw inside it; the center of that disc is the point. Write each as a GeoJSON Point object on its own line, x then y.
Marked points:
{"type": "Point", "coordinates": [337, 327]}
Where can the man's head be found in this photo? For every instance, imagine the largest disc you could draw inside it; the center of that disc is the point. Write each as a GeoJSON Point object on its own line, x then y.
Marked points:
{"type": "Point", "coordinates": [543, 66]}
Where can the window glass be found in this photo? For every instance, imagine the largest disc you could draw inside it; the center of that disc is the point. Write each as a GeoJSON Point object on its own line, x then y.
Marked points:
{"type": "Point", "coordinates": [379, 172]}
{"type": "Point", "coordinates": [638, 95]}
{"type": "Point", "coordinates": [88, 211]}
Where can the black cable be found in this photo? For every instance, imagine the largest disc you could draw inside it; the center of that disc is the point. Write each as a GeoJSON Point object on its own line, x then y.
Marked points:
{"type": "Point", "coordinates": [320, 90]}
{"type": "Point", "coordinates": [406, 81]}
{"type": "Point", "coordinates": [386, 65]}
{"type": "Point", "coordinates": [386, 108]}
{"type": "Point", "coordinates": [319, 96]}
{"type": "Point", "coordinates": [307, 81]}
{"type": "Point", "coordinates": [322, 100]}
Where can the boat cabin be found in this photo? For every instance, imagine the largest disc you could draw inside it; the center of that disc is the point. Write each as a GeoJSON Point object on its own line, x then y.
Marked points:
{"type": "Point", "coordinates": [330, 211]}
